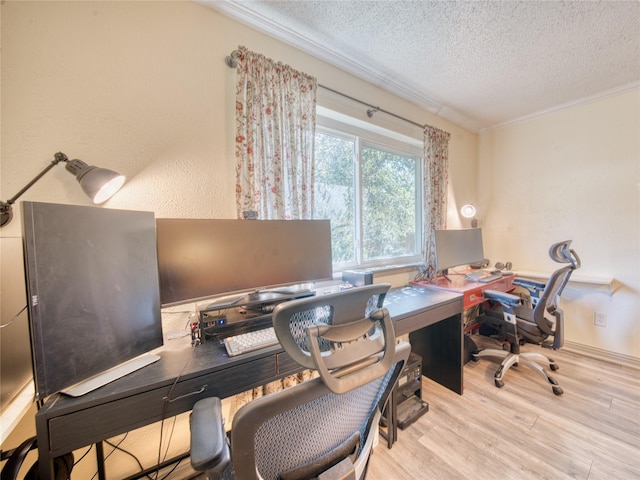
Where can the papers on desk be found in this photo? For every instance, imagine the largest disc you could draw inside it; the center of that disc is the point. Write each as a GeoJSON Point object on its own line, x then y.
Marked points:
{"type": "Point", "coordinates": [483, 276]}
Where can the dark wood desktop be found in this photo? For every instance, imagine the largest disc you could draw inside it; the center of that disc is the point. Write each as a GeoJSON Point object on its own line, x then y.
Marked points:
{"type": "Point", "coordinates": [432, 318]}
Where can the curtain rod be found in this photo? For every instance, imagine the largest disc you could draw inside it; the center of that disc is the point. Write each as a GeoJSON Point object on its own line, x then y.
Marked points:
{"type": "Point", "coordinates": [232, 62]}
{"type": "Point", "coordinates": [372, 108]}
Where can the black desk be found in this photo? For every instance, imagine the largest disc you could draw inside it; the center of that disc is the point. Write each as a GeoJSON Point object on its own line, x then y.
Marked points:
{"type": "Point", "coordinates": [433, 320]}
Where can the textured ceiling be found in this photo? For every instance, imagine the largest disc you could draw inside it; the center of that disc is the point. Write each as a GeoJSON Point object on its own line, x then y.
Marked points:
{"type": "Point", "coordinates": [477, 63]}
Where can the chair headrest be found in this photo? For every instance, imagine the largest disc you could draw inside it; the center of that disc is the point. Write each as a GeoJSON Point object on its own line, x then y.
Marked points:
{"type": "Point", "coordinates": [562, 253]}
{"type": "Point", "coordinates": [347, 336]}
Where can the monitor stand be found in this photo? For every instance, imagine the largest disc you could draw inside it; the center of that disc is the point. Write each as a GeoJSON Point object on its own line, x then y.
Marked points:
{"type": "Point", "coordinates": [257, 298]}
{"type": "Point", "coordinates": [108, 376]}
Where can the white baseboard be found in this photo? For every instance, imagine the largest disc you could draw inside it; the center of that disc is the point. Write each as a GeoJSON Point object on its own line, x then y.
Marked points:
{"type": "Point", "coordinates": [605, 355]}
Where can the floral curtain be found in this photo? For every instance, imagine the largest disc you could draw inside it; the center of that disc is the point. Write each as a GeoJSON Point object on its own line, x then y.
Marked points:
{"type": "Point", "coordinates": [436, 177]}
{"type": "Point", "coordinates": [275, 133]}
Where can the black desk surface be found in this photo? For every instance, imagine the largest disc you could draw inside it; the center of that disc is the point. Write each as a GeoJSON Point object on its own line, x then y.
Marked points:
{"type": "Point", "coordinates": [187, 362]}
{"type": "Point", "coordinates": [185, 374]}
{"type": "Point", "coordinates": [412, 299]}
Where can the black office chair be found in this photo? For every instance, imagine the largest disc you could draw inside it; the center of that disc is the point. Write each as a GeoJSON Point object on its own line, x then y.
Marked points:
{"type": "Point", "coordinates": [518, 324]}
{"type": "Point", "coordinates": [322, 428]}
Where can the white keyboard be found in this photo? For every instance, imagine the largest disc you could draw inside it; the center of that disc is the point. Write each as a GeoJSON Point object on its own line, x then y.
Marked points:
{"type": "Point", "coordinates": [250, 341]}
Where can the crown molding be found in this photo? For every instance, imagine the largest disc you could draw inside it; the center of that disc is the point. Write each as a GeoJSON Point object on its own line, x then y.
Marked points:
{"type": "Point", "coordinates": [237, 11]}
{"type": "Point", "coordinates": [612, 92]}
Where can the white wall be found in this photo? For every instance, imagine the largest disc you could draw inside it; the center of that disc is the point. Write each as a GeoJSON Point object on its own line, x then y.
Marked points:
{"type": "Point", "coordinates": [573, 174]}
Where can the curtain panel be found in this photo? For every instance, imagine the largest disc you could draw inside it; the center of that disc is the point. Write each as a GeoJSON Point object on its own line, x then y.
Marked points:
{"type": "Point", "coordinates": [275, 134]}
{"type": "Point", "coordinates": [436, 178]}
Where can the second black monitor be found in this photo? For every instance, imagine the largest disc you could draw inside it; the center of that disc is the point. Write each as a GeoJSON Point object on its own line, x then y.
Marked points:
{"type": "Point", "coordinates": [203, 258]}
{"type": "Point", "coordinates": [458, 247]}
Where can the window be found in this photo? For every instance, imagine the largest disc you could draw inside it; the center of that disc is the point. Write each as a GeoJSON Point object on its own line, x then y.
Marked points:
{"type": "Point", "coordinates": [369, 186]}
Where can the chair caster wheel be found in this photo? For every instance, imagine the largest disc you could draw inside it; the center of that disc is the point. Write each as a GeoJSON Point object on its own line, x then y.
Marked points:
{"type": "Point", "coordinates": [506, 347]}
{"type": "Point", "coordinates": [557, 390]}
{"type": "Point", "coordinates": [500, 383]}
{"type": "Point", "coordinates": [554, 366]}
{"type": "Point", "coordinates": [475, 358]}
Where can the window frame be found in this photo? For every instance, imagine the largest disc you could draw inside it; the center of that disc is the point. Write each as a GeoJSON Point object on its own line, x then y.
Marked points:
{"type": "Point", "coordinates": [371, 136]}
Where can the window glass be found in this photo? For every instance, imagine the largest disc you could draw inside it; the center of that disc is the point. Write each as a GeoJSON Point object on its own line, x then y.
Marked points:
{"type": "Point", "coordinates": [335, 193]}
{"type": "Point", "coordinates": [371, 192]}
{"type": "Point", "coordinates": [389, 194]}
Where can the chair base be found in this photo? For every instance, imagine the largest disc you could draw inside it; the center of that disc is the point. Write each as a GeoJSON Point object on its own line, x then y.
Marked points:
{"type": "Point", "coordinates": [528, 359]}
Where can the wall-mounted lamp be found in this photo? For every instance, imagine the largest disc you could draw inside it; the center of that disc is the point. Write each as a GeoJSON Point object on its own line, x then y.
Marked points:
{"type": "Point", "coordinates": [99, 184]}
{"type": "Point", "coordinates": [469, 211]}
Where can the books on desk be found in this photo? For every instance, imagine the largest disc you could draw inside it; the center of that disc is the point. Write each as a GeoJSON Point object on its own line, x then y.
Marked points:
{"type": "Point", "coordinates": [483, 276]}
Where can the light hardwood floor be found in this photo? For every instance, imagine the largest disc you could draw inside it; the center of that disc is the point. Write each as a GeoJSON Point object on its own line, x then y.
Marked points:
{"type": "Point", "coordinates": [522, 431]}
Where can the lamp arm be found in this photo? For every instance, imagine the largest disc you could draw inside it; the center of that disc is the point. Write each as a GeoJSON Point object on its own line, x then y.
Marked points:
{"type": "Point", "coordinates": [98, 183]}
{"type": "Point", "coordinates": [58, 157]}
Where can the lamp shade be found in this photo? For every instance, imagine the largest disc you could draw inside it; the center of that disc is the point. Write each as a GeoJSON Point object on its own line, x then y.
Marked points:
{"type": "Point", "coordinates": [99, 184]}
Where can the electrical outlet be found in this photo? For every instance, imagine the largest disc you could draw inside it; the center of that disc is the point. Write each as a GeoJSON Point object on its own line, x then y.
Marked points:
{"type": "Point", "coordinates": [600, 319]}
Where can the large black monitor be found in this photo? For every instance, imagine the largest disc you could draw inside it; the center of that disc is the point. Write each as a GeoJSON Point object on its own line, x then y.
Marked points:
{"type": "Point", "coordinates": [92, 289]}
{"type": "Point", "coordinates": [203, 258]}
{"type": "Point", "coordinates": [458, 247]}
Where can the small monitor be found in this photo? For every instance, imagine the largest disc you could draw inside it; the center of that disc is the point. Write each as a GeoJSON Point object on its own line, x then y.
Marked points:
{"type": "Point", "coordinates": [458, 247]}
{"type": "Point", "coordinates": [92, 289]}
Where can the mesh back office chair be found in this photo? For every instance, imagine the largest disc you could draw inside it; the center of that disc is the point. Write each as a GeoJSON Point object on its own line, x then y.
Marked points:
{"type": "Point", "coordinates": [322, 428]}
{"type": "Point", "coordinates": [519, 324]}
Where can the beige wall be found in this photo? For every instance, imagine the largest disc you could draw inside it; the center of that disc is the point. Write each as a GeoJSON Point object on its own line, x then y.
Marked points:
{"type": "Point", "coordinates": [573, 174]}
{"type": "Point", "coordinates": [142, 88]}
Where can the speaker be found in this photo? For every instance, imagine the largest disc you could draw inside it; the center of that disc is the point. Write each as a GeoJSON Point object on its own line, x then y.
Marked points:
{"type": "Point", "coordinates": [484, 263]}
{"type": "Point", "coordinates": [357, 278]}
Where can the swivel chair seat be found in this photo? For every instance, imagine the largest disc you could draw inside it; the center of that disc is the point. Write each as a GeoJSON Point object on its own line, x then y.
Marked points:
{"type": "Point", "coordinates": [518, 324]}
{"type": "Point", "coordinates": [322, 428]}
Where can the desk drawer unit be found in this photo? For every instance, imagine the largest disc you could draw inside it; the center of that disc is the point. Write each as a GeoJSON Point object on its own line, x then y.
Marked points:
{"type": "Point", "coordinates": [286, 365]}
{"type": "Point", "coordinates": [90, 425]}
{"type": "Point", "coordinates": [475, 296]}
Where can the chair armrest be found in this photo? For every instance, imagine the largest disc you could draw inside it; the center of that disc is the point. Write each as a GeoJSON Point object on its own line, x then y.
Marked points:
{"type": "Point", "coordinates": [529, 284]}
{"type": "Point", "coordinates": [505, 299]}
{"type": "Point", "coordinates": [209, 448]}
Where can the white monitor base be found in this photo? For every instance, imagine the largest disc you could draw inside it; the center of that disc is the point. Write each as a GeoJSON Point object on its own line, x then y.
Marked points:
{"type": "Point", "coordinates": [110, 375]}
